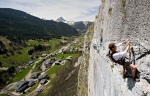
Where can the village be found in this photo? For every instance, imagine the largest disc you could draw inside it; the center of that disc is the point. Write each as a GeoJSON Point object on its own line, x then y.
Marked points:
{"type": "Point", "coordinates": [37, 78]}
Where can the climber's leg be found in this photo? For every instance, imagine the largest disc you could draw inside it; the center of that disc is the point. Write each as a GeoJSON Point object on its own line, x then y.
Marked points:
{"type": "Point", "coordinates": [123, 71]}
{"type": "Point", "coordinates": [133, 67]}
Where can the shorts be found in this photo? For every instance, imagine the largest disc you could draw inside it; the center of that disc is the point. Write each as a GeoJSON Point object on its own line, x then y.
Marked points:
{"type": "Point", "coordinates": [127, 64]}
{"type": "Point", "coordinates": [124, 63]}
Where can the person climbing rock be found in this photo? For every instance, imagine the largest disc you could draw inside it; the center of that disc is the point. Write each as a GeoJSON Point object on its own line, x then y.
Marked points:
{"type": "Point", "coordinates": [119, 57]}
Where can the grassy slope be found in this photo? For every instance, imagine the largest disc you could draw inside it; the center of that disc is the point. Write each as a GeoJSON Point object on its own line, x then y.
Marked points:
{"type": "Point", "coordinates": [5, 41]}
{"type": "Point", "coordinates": [17, 58]}
{"type": "Point", "coordinates": [21, 59]}
{"type": "Point", "coordinates": [61, 84]}
{"type": "Point", "coordinates": [21, 74]}
{"type": "Point", "coordinates": [3, 95]}
{"type": "Point", "coordinates": [51, 42]}
{"type": "Point", "coordinates": [52, 72]}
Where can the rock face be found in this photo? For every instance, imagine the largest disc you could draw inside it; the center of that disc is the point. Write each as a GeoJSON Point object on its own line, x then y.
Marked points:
{"type": "Point", "coordinates": [118, 20]}
{"type": "Point", "coordinates": [82, 89]}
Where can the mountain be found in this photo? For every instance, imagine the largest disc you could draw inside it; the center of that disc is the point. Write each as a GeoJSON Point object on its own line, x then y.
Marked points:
{"type": "Point", "coordinates": [60, 19]}
{"type": "Point", "coordinates": [80, 25]}
{"type": "Point", "coordinates": [19, 25]}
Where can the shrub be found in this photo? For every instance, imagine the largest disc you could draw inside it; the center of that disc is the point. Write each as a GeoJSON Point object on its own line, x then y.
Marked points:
{"type": "Point", "coordinates": [123, 2]}
{"type": "Point", "coordinates": [103, 1]}
{"type": "Point", "coordinates": [110, 11]}
{"type": "Point", "coordinates": [124, 13]}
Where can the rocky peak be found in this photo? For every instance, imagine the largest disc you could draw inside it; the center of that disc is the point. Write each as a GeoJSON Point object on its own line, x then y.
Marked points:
{"type": "Point", "coordinates": [60, 19]}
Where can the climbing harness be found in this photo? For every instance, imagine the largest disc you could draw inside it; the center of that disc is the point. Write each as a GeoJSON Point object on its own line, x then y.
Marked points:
{"type": "Point", "coordinates": [121, 61]}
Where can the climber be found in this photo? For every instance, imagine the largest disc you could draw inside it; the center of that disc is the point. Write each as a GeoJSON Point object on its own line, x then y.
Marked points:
{"type": "Point", "coordinates": [119, 57]}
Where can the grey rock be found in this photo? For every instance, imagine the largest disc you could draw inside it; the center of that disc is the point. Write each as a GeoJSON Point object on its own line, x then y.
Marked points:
{"type": "Point", "coordinates": [105, 80]}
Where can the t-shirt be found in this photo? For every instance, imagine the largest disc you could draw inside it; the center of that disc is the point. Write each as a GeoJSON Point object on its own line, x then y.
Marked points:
{"type": "Point", "coordinates": [119, 55]}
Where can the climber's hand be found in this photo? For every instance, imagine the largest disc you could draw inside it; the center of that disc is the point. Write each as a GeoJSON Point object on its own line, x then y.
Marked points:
{"type": "Point", "coordinates": [125, 41]}
{"type": "Point", "coordinates": [128, 43]}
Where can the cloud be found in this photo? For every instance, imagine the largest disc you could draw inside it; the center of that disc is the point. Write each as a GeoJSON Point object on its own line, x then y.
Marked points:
{"type": "Point", "coordinates": [72, 10]}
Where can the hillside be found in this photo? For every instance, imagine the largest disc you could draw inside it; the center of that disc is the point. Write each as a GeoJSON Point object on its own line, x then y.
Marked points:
{"type": "Point", "coordinates": [82, 25]}
{"type": "Point", "coordinates": [17, 25]}
{"type": "Point", "coordinates": [116, 21]}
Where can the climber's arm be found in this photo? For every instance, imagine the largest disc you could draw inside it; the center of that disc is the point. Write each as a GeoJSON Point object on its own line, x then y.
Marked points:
{"type": "Point", "coordinates": [123, 42]}
{"type": "Point", "coordinates": [128, 47]}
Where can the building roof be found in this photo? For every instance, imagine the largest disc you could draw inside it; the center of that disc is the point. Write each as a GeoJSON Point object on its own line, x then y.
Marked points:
{"type": "Point", "coordinates": [69, 57]}
{"type": "Point", "coordinates": [39, 89]}
{"type": "Point", "coordinates": [21, 85]}
{"type": "Point", "coordinates": [58, 62]}
{"type": "Point", "coordinates": [43, 81]}
{"type": "Point", "coordinates": [31, 83]}
{"type": "Point", "coordinates": [35, 75]}
{"type": "Point", "coordinates": [44, 55]}
{"type": "Point", "coordinates": [42, 76]}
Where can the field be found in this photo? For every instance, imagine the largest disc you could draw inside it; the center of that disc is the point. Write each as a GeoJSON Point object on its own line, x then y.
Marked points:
{"type": "Point", "coordinates": [20, 75]}
{"type": "Point", "coordinates": [24, 57]}
{"type": "Point", "coordinates": [55, 70]}
{"type": "Point", "coordinates": [17, 59]}
{"type": "Point", "coordinates": [3, 95]}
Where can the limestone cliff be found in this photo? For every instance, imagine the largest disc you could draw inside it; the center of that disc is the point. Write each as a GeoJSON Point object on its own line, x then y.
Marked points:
{"type": "Point", "coordinates": [82, 89]}
{"type": "Point", "coordinates": [118, 20]}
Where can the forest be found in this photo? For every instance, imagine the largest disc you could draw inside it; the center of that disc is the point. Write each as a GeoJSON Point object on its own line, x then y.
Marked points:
{"type": "Point", "coordinates": [19, 26]}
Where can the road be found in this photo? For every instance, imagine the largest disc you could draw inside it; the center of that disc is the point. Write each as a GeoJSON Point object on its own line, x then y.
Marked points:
{"type": "Point", "coordinates": [27, 77]}
{"type": "Point", "coordinates": [43, 66]}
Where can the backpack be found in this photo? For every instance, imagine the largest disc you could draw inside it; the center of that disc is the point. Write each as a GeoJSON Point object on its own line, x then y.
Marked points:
{"type": "Point", "coordinates": [121, 61]}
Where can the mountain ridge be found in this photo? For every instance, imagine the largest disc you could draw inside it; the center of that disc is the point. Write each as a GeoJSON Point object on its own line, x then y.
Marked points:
{"type": "Point", "coordinates": [14, 23]}
{"type": "Point", "coordinates": [79, 25]}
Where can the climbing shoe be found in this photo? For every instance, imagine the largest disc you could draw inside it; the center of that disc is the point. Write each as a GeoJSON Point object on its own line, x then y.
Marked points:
{"type": "Point", "coordinates": [136, 79]}
{"type": "Point", "coordinates": [126, 76]}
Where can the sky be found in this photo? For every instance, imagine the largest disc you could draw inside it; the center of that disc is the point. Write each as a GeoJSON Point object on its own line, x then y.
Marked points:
{"type": "Point", "coordinates": [71, 10]}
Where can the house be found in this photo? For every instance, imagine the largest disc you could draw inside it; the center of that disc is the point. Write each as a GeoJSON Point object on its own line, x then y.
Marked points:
{"type": "Point", "coordinates": [69, 58]}
{"type": "Point", "coordinates": [58, 62]}
{"type": "Point", "coordinates": [42, 76]}
{"type": "Point", "coordinates": [31, 83]}
{"type": "Point", "coordinates": [44, 55]}
{"type": "Point", "coordinates": [40, 89]}
{"type": "Point", "coordinates": [21, 86]}
{"type": "Point", "coordinates": [49, 61]}
{"type": "Point", "coordinates": [35, 75]}
{"type": "Point", "coordinates": [63, 62]}
{"type": "Point", "coordinates": [20, 68]}
{"type": "Point", "coordinates": [71, 49]}
{"type": "Point", "coordinates": [52, 55]}
{"type": "Point", "coordinates": [52, 60]}
{"type": "Point", "coordinates": [43, 81]}
{"type": "Point", "coordinates": [30, 62]}
{"type": "Point", "coordinates": [80, 50]}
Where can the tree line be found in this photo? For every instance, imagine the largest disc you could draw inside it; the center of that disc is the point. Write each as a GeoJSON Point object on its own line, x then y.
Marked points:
{"type": "Point", "coordinates": [17, 26]}
{"type": "Point", "coordinates": [38, 48]}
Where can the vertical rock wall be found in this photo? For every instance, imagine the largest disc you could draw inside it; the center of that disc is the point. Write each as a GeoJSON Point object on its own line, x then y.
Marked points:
{"type": "Point", "coordinates": [118, 20]}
